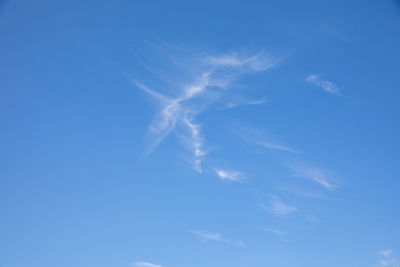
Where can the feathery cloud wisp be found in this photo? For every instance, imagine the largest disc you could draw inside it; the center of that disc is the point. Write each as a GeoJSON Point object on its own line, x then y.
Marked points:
{"type": "Point", "coordinates": [208, 236]}
{"type": "Point", "coordinates": [327, 86]}
{"type": "Point", "coordinates": [179, 112]}
{"type": "Point", "coordinates": [196, 144]}
{"type": "Point", "coordinates": [145, 264]}
{"type": "Point", "coordinates": [258, 62]}
{"type": "Point", "coordinates": [260, 138]}
{"type": "Point", "coordinates": [302, 193]}
{"type": "Point", "coordinates": [230, 175]}
{"type": "Point", "coordinates": [175, 110]}
{"type": "Point", "coordinates": [278, 208]}
{"type": "Point", "coordinates": [241, 102]}
{"type": "Point", "coordinates": [273, 146]}
{"type": "Point", "coordinates": [316, 175]}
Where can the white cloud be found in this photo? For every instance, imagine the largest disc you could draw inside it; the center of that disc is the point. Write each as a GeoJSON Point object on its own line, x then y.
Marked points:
{"type": "Point", "coordinates": [209, 236]}
{"type": "Point", "coordinates": [311, 173]}
{"type": "Point", "coordinates": [175, 110]}
{"type": "Point", "coordinates": [278, 208]}
{"type": "Point", "coordinates": [258, 62]}
{"type": "Point", "coordinates": [196, 144]}
{"type": "Point", "coordinates": [327, 86]}
{"type": "Point", "coordinates": [145, 264]}
{"type": "Point", "coordinates": [179, 112]}
{"type": "Point", "coordinates": [230, 175]}
{"type": "Point", "coordinates": [387, 259]}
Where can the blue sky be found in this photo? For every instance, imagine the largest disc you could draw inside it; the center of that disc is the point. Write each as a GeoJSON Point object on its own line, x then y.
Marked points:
{"type": "Point", "coordinates": [207, 133]}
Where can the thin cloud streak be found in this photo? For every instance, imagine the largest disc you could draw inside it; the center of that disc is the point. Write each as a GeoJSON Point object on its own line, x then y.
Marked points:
{"type": "Point", "coordinates": [258, 137]}
{"type": "Point", "coordinates": [196, 144]}
{"type": "Point", "coordinates": [230, 175]}
{"type": "Point", "coordinates": [277, 207]}
{"type": "Point", "coordinates": [302, 193]}
{"type": "Point", "coordinates": [274, 146]}
{"type": "Point", "coordinates": [235, 104]}
{"type": "Point", "coordinates": [327, 86]}
{"type": "Point", "coordinates": [145, 264]}
{"type": "Point", "coordinates": [281, 234]}
{"type": "Point", "coordinates": [209, 236]}
{"type": "Point", "coordinates": [316, 175]}
{"type": "Point", "coordinates": [256, 63]}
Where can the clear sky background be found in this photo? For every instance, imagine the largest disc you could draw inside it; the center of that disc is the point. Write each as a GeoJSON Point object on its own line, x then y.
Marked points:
{"type": "Point", "coordinates": [199, 133]}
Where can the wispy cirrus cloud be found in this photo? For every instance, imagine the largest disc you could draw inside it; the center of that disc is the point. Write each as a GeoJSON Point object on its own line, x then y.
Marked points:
{"type": "Point", "coordinates": [209, 236]}
{"type": "Point", "coordinates": [275, 146]}
{"type": "Point", "coordinates": [257, 63]}
{"type": "Point", "coordinates": [260, 138]}
{"type": "Point", "coordinates": [179, 112]}
{"type": "Point", "coordinates": [277, 207]}
{"type": "Point", "coordinates": [327, 86]}
{"type": "Point", "coordinates": [195, 143]}
{"type": "Point", "coordinates": [281, 234]}
{"type": "Point", "coordinates": [303, 193]}
{"type": "Point", "coordinates": [316, 175]}
{"type": "Point", "coordinates": [242, 102]}
{"type": "Point", "coordinates": [145, 264]}
{"type": "Point", "coordinates": [234, 176]}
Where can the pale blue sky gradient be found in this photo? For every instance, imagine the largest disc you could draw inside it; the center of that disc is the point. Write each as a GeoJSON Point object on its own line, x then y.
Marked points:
{"type": "Point", "coordinates": [199, 133]}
